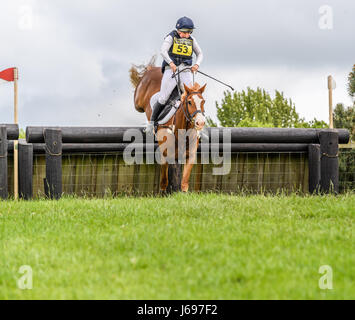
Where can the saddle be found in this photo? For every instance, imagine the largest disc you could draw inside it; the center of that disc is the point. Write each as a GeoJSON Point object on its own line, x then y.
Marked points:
{"type": "Point", "coordinates": [170, 107]}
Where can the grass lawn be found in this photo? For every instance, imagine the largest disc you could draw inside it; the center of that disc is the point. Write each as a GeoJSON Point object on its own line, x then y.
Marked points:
{"type": "Point", "coordinates": [195, 246]}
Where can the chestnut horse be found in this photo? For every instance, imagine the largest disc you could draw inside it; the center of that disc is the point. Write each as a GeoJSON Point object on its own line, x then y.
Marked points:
{"type": "Point", "coordinates": [189, 116]}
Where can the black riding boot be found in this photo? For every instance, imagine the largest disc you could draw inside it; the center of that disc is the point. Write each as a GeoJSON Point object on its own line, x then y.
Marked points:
{"type": "Point", "coordinates": [157, 109]}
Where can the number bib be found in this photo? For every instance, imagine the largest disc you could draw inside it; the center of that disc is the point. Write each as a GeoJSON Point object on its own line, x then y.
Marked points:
{"type": "Point", "coordinates": [182, 47]}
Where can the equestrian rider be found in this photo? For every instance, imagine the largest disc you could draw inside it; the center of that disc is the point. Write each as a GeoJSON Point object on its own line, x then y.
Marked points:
{"type": "Point", "coordinates": [177, 51]}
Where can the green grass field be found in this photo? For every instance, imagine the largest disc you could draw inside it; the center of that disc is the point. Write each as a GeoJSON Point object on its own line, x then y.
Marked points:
{"type": "Point", "coordinates": [195, 246]}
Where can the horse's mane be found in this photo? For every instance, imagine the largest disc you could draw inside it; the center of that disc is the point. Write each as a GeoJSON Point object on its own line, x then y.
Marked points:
{"type": "Point", "coordinates": [137, 71]}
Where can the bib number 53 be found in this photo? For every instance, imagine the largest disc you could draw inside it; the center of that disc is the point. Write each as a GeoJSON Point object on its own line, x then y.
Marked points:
{"type": "Point", "coordinates": [182, 49]}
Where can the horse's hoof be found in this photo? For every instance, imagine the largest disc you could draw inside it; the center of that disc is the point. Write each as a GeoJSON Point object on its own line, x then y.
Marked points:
{"type": "Point", "coordinates": [164, 193]}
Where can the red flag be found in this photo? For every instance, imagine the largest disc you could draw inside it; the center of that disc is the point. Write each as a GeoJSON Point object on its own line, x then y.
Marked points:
{"type": "Point", "coordinates": [8, 74]}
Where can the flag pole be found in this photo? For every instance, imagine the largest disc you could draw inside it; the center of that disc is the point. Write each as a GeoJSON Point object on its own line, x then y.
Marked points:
{"type": "Point", "coordinates": [16, 142]}
{"type": "Point", "coordinates": [330, 89]}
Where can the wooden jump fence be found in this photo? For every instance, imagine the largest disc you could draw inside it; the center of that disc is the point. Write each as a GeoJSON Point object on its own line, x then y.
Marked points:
{"type": "Point", "coordinates": [89, 161]}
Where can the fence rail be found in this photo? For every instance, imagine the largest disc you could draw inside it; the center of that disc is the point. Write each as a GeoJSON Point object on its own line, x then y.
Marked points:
{"type": "Point", "coordinates": [89, 161]}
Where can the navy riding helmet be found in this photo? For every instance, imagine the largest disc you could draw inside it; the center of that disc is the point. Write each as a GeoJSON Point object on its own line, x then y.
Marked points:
{"type": "Point", "coordinates": [185, 23]}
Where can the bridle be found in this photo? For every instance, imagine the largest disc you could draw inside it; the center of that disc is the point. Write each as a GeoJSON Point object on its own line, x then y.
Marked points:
{"type": "Point", "coordinates": [185, 108]}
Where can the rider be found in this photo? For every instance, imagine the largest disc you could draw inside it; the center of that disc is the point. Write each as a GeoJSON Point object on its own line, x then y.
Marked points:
{"type": "Point", "coordinates": [177, 51]}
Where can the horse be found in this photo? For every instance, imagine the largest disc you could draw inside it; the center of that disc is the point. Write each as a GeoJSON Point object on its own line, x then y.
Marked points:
{"type": "Point", "coordinates": [146, 79]}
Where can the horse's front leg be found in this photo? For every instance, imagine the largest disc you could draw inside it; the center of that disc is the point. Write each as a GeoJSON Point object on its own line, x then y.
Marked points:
{"type": "Point", "coordinates": [164, 177]}
{"type": "Point", "coordinates": [166, 145]}
{"type": "Point", "coordinates": [190, 161]}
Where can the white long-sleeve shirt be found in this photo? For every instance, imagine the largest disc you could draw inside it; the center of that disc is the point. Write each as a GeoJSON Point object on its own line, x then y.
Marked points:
{"type": "Point", "coordinates": [168, 42]}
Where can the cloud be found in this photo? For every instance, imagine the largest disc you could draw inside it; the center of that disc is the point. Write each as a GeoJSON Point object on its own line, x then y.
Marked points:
{"type": "Point", "coordinates": [75, 58]}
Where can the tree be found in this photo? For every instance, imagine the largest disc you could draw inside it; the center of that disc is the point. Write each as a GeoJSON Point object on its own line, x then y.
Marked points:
{"type": "Point", "coordinates": [351, 84]}
{"type": "Point", "coordinates": [255, 108]}
{"type": "Point", "coordinates": [22, 134]}
{"type": "Point", "coordinates": [345, 118]}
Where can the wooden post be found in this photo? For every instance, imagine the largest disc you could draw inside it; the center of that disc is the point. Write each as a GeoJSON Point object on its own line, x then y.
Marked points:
{"type": "Point", "coordinates": [174, 178]}
{"type": "Point", "coordinates": [25, 170]}
{"type": "Point", "coordinates": [329, 148]}
{"type": "Point", "coordinates": [3, 163]}
{"type": "Point", "coordinates": [53, 180]}
{"type": "Point", "coordinates": [330, 90]}
{"type": "Point", "coordinates": [16, 141]}
{"type": "Point", "coordinates": [314, 175]}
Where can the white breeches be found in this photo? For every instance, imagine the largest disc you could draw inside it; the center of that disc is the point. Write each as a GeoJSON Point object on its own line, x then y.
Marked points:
{"type": "Point", "coordinates": [168, 84]}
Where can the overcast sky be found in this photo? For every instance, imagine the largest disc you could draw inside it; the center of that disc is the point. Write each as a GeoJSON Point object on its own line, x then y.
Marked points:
{"type": "Point", "coordinates": [74, 55]}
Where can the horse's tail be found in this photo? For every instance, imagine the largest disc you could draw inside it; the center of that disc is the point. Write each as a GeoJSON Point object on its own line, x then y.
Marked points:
{"type": "Point", "coordinates": [137, 71]}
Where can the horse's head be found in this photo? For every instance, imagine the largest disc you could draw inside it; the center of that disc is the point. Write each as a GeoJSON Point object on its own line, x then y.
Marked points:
{"type": "Point", "coordinates": [194, 105]}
